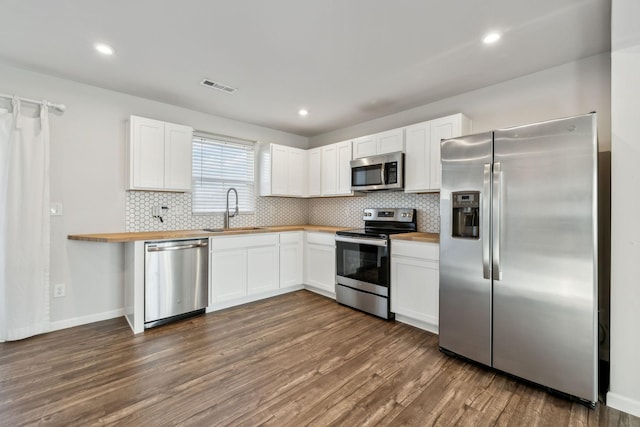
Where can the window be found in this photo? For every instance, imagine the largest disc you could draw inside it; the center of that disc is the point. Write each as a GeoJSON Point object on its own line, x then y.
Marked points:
{"type": "Point", "coordinates": [219, 164]}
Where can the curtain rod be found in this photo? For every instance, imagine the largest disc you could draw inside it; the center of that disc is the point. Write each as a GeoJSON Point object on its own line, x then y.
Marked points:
{"type": "Point", "coordinates": [59, 107]}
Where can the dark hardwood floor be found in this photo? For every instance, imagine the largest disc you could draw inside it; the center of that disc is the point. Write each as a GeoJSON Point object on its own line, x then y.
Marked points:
{"type": "Point", "coordinates": [297, 359]}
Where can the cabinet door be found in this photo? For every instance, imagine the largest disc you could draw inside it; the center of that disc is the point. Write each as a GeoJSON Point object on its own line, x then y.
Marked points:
{"type": "Point", "coordinates": [417, 171]}
{"type": "Point", "coordinates": [228, 275]}
{"type": "Point", "coordinates": [262, 269]}
{"type": "Point", "coordinates": [444, 128]}
{"type": "Point", "coordinates": [177, 158]}
{"type": "Point", "coordinates": [291, 259]}
{"type": "Point", "coordinates": [279, 169]}
{"type": "Point", "coordinates": [296, 173]}
{"type": "Point", "coordinates": [344, 168]}
{"type": "Point", "coordinates": [329, 170]}
{"type": "Point", "coordinates": [390, 141]}
{"type": "Point", "coordinates": [414, 289]}
{"type": "Point", "coordinates": [315, 171]}
{"type": "Point", "coordinates": [320, 267]}
{"type": "Point", "coordinates": [147, 153]}
{"type": "Point", "coordinates": [365, 146]}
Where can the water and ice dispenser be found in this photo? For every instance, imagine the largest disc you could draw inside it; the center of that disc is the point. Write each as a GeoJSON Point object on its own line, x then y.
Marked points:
{"type": "Point", "coordinates": [466, 214]}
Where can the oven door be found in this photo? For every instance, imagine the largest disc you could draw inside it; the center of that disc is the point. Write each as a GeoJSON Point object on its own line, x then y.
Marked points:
{"type": "Point", "coordinates": [363, 263]}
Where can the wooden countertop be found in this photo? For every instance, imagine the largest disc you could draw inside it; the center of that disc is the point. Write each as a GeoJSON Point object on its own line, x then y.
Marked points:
{"type": "Point", "coordinates": [188, 234]}
{"type": "Point", "coordinates": [417, 237]}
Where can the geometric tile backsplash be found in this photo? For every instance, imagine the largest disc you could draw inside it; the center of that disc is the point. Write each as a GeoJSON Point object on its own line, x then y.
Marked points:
{"type": "Point", "coordinates": [338, 211]}
{"type": "Point", "coordinates": [347, 211]}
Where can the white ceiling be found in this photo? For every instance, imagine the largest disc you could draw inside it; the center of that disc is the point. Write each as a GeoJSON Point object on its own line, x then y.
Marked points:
{"type": "Point", "coordinates": [346, 61]}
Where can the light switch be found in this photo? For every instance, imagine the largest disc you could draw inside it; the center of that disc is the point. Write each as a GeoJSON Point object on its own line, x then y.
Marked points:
{"type": "Point", "coordinates": [55, 209]}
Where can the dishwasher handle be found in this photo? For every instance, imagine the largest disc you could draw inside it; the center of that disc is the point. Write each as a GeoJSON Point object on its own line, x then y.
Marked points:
{"type": "Point", "coordinates": [176, 248]}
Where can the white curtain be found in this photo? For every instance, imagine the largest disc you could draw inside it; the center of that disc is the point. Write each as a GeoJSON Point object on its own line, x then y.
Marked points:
{"type": "Point", "coordinates": [24, 224]}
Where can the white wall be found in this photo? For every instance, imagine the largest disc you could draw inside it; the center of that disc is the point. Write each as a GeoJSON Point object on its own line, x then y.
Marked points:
{"type": "Point", "coordinates": [87, 176]}
{"type": "Point", "coordinates": [625, 236]}
{"type": "Point", "coordinates": [573, 88]}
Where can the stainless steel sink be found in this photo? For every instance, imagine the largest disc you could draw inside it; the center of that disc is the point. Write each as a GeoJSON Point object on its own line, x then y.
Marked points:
{"type": "Point", "coordinates": [222, 230]}
{"type": "Point", "coordinates": [243, 228]}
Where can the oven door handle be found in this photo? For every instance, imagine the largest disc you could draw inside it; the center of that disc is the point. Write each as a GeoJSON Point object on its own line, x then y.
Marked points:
{"type": "Point", "coordinates": [362, 240]}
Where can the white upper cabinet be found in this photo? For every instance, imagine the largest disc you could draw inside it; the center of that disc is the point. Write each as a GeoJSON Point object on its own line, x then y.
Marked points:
{"type": "Point", "coordinates": [422, 151]}
{"type": "Point", "coordinates": [314, 172]}
{"type": "Point", "coordinates": [344, 168]}
{"type": "Point", "coordinates": [326, 171]}
{"type": "Point", "coordinates": [296, 173]}
{"type": "Point", "coordinates": [365, 146]}
{"type": "Point", "coordinates": [279, 170]}
{"type": "Point", "coordinates": [390, 141]}
{"type": "Point", "coordinates": [159, 155]}
{"type": "Point", "coordinates": [417, 156]}
{"type": "Point", "coordinates": [178, 142]}
{"type": "Point", "coordinates": [329, 170]}
{"type": "Point", "coordinates": [282, 171]}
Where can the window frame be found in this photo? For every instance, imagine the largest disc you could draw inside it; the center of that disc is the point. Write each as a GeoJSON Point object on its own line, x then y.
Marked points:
{"type": "Point", "coordinates": [221, 141]}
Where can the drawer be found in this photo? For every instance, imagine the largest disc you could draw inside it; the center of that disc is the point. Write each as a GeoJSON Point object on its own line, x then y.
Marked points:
{"type": "Point", "coordinates": [237, 242]}
{"type": "Point", "coordinates": [421, 250]}
{"type": "Point", "coordinates": [328, 239]}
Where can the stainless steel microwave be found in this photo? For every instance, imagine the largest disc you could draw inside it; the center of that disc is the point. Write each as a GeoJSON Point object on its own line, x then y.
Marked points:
{"type": "Point", "coordinates": [381, 172]}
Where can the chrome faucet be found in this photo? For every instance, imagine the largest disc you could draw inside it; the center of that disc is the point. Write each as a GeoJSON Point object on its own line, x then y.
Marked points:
{"type": "Point", "coordinates": [227, 215]}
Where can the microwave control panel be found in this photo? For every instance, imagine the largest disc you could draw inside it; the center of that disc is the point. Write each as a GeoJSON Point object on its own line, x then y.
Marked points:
{"type": "Point", "coordinates": [392, 173]}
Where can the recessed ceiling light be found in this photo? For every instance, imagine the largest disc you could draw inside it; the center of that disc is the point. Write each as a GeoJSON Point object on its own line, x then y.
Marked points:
{"type": "Point", "coordinates": [491, 37]}
{"type": "Point", "coordinates": [303, 112]}
{"type": "Point", "coordinates": [104, 49]}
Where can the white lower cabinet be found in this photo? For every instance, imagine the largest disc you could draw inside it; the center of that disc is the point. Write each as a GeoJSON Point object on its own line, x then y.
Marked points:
{"type": "Point", "coordinates": [291, 258]}
{"type": "Point", "coordinates": [415, 283]}
{"type": "Point", "coordinates": [320, 262]}
{"type": "Point", "coordinates": [263, 269]}
{"type": "Point", "coordinates": [246, 268]}
{"type": "Point", "coordinates": [228, 274]}
{"type": "Point", "coordinates": [243, 265]}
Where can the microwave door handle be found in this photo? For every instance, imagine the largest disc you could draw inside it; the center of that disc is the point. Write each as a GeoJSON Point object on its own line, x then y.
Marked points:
{"type": "Point", "coordinates": [382, 169]}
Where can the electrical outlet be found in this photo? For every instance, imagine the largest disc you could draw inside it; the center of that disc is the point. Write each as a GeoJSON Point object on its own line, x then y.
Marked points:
{"type": "Point", "coordinates": [55, 209]}
{"type": "Point", "coordinates": [59, 290]}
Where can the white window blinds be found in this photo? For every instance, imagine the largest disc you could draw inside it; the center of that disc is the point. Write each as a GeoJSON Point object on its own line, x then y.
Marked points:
{"type": "Point", "coordinates": [218, 165]}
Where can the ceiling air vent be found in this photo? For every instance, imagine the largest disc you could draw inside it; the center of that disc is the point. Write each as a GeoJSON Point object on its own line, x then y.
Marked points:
{"type": "Point", "coordinates": [218, 86]}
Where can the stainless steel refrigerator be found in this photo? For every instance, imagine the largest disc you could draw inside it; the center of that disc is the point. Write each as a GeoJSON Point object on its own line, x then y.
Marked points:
{"type": "Point", "coordinates": [519, 252]}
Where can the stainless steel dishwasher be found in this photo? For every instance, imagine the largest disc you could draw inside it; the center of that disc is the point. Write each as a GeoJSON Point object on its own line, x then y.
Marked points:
{"type": "Point", "coordinates": [176, 280]}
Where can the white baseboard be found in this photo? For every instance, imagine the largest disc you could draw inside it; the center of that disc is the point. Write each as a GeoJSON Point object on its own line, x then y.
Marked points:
{"type": "Point", "coordinates": [322, 292]}
{"type": "Point", "coordinates": [623, 403]}
{"type": "Point", "coordinates": [429, 327]}
{"type": "Point", "coordinates": [251, 298]}
{"type": "Point", "coordinates": [83, 320]}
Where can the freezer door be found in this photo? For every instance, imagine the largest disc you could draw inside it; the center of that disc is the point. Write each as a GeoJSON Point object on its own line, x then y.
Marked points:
{"type": "Point", "coordinates": [465, 285]}
{"type": "Point", "coordinates": [545, 254]}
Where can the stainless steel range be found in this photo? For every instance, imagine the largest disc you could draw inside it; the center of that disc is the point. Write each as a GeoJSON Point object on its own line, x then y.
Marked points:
{"type": "Point", "coordinates": [363, 261]}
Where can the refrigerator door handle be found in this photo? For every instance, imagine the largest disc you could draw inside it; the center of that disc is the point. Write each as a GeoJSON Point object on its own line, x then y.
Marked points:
{"type": "Point", "coordinates": [486, 222]}
{"type": "Point", "coordinates": [497, 211]}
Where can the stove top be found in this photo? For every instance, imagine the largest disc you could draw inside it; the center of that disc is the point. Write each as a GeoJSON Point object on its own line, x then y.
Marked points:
{"type": "Point", "coordinates": [364, 232]}
{"type": "Point", "coordinates": [380, 223]}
